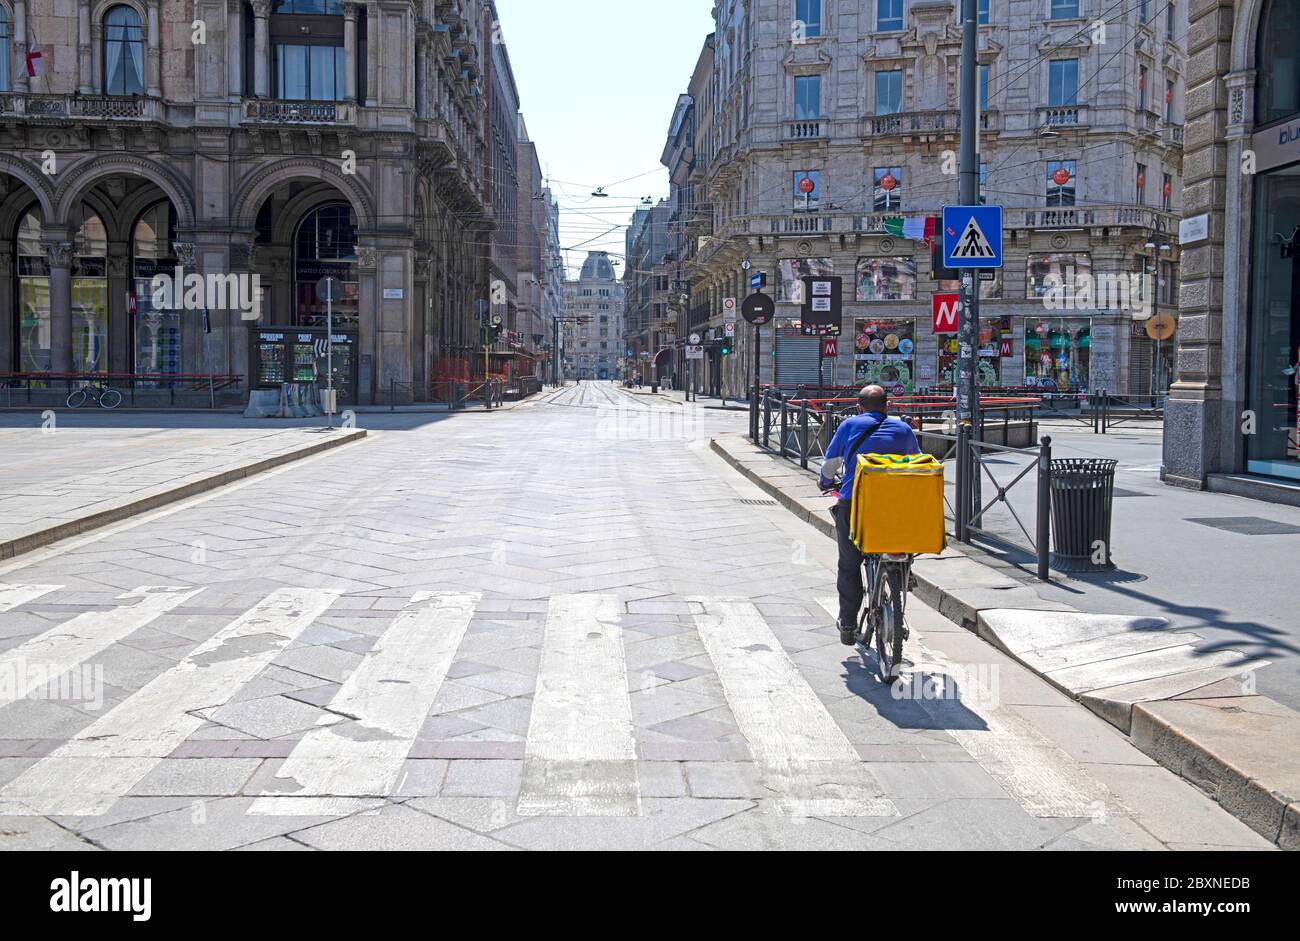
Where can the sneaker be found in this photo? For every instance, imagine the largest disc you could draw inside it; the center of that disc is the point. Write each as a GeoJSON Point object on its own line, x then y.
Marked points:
{"type": "Point", "coordinates": [848, 636]}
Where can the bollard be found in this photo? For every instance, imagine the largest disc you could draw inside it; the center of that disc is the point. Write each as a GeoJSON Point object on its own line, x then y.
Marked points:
{"type": "Point", "coordinates": [1044, 530]}
{"type": "Point", "coordinates": [753, 416]}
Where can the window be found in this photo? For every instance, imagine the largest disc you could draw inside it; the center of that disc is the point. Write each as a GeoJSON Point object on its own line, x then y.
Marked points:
{"type": "Point", "coordinates": [1169, 102]}
{"type": "Point", "coordinates": [1141, 184]}
{"type": "Point", "coordinates": [790, 273]}
{"type": "Point", "coordinates": [807, 97]}
{"type": "Point", "coordinates": [807, 189]}
{"type": "Point", "coordinates": [889, 15]}
{"type": "Point", "coordinates": [984, 88]}
{"type": "Point", "coordinates": [33, 296]}
{"type": "Point", "coordinates": [326, 245]}
{"type": "Point", "coordinates": [887, 279]}
{"type": "Point", "coordinates": [157, 331]}
{"type": "Point", "coordinates": [4, 50]}
{"type": "Point", "coordinates": [1058, 353]}
{"type": "Point", "coordinates": [889, 92]}
{"type": "Point", "coordinates": [1166, 192]}
{"type": "Point", "coordinates": [983, 15]}
{"type": "Point", "coordinates": [1060, 182]}
{"type": "Point", "coordinates": [1064, 10]}
{"type": "Point", "coordinates": [1056, 272]}
{"type": "Point", "coordinates": [1144, 13]}
{"type": "Point", "coordinates": [123, 52]}
{"type": "Point", "coordinates": [89, 293]}
{"type": "Point", "coordinates": [309, 7]}
{"type": "Point", "coordinates": [309, 73]}
{"type": "Point", "coordinates": [1063, 82]}
{"type": "Point", "coordinates": [888, 192]}
{"type": "Point", "coordinates": [808, 17]}
{"type": "Point", "coordinates": [984, 182]}
{"type": "Point", "coordinates": [1169, 21]}
{"type": "Point", "coordinates": [1142, 87]}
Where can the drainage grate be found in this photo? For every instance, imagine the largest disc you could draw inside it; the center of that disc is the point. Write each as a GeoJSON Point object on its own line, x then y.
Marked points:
{"type": "Point", "coordinates": [758, 503]}
{"type": "Point", "coordinates": [1249, 526]}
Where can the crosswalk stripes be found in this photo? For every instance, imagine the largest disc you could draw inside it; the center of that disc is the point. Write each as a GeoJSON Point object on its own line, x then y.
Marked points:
{"type": "Point", "coordinates": [1042, 778]}
{"type": "Point", "coordinates": [358, 750]}
{"type": "Point", "coordinates": [803, 756]}
{"type": "Point", "coordinates": [50, 655]}
{"type": "Point", "coordinates": [89, 773]}
{"type": "Point", "coordinates": [11, 596]}
{"type": "Point", "coordinates": [580, 755]}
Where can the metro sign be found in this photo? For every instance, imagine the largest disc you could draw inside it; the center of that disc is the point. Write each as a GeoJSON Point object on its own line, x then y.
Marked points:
{"type": "Point", "coordinates": [947, 311]}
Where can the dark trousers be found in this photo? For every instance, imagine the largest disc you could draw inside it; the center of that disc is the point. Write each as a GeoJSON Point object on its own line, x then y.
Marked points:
{"type": "Point", "coordinates": [849, 582]}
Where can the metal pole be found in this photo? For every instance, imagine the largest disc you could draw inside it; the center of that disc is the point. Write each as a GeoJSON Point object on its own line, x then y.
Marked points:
{"type": "Point", "coordinates": [329, 357]}
{"type": "Point", "coordinates": [803, 435]}
{"type": "Point", "coordinates": [1044, 542]}
{"type": "Point", "coordinates": [968, 408]}
{"type": "Point", "coordinates": [963, 503]}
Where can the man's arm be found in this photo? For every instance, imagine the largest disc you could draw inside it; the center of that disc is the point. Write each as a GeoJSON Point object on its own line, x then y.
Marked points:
{"type": "Point", "coordinates": [833, 462]}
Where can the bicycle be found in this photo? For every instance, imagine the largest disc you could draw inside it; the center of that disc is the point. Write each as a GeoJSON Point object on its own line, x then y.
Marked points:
{"type": "Point", "coordinates": [888, 579]}
{"type": "Point", "coordinates": [101, 394]}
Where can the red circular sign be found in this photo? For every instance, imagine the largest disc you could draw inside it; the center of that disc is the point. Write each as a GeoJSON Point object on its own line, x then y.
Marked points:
{"type": "Point", "coordinates": [806, 185]}
{"type": "Point", "coordinates": [887, 182]}
{"type": "Point", "coordinates": [1061, 177]}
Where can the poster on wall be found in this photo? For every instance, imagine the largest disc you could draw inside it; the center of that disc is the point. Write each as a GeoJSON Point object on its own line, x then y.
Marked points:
{"type": "Point", "coordinates": [884, 353]}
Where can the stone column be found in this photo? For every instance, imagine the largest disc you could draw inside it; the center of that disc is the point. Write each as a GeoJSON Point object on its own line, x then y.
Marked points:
{"type": "Point", "coordinates": [58, 252]}
{"type": "Point", "coordinates": [20, 46]}
{"type": "Point", "coordinates": [1195, 433]}
{"type": "Point", "coordinates": [191, 320]}
{"type": "Point", "coordinates": [85, 80]}
{"type": "Point", "coordinates": [121, 341]}
{"type": "Point", "coordinates": [153, 56]}
{"type": "Point", "coordinates": [350, 50]}
{"type": "Point", "coordinates": [235, 47]}
{"type": "Point", "coordinates": [244, 260]}
{"type": "Point", "coordinates": [261, 48]}
{"type": "Point", "coordinates": [372, 55]}
{"type": "Point", "coordinates": [368, 353]}
{"type": "Point", "coordinates": [8, 306]}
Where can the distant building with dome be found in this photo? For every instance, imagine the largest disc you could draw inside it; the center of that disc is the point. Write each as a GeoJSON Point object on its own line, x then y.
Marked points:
{"type": "Point", "coordinates": [593, 345]}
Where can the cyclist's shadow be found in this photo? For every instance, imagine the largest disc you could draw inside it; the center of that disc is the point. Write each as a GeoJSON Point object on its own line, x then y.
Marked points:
{"type": "Point", "coordinates": [926, 696]}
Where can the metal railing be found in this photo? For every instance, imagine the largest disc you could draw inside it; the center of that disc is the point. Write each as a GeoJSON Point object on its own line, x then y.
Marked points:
{"type": "Point", "coordinates": [61, 384]}
{"type": "Point", "coordinates": [1111, 411]}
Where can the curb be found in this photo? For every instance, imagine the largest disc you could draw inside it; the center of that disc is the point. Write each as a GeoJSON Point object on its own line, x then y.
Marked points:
{"type": "Point", "coordinates": [1212, 741]}
{"type": "Point", "coordinates": [40, 538]}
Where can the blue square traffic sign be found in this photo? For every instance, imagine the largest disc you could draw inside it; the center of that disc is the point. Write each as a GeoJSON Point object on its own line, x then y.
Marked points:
{"type": "Point", "coordinates": [972, 237]}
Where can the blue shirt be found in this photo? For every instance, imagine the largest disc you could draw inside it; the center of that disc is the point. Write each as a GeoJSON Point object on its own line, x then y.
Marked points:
{"type": "Point", "coordinates": [894, 436]}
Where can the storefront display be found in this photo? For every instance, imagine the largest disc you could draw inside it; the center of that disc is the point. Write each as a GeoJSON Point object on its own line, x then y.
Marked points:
{"type": "Point", "coordinates": [299, 356]}
{"type": "Point", "coordinates": [1058, 353]}
{"type": "Point", "coordinates": [995, 335]}
{"type": "Point", "coordinates": [885, 354]}
{"type": "Point", "coordinates": [90, 324]}
{"type": "Point", "coordinates": [157, 330]}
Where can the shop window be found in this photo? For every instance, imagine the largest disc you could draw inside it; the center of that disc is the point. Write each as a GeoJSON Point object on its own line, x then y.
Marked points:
{"type": "Point", "coordinates": [886, 279]}
{"type": "Point", "coordinates": [1277, 93]}
{"type": "Point", "coordinates": [89, 294]}
{"type": "Point", "coordinates": [888, 192]}
{"type": "Point", "coordinates": [1058, 272]}
{"type": "Point", "coordinates": [790, 273]}
{"type": "Point", "coordinates": [326, 245]}
{"type": "Point", "coordinates": [157, 330]}
{"type": "Point", "coordinates": [33, 296]}
{"type": "Point", "coordinates": [884, 353]}
{"type": "Point", "coordinates": [123, 52]}
{"type": "Point", "coordinates": [1058, 353]}
{"type": "Point", "coordinates": [996, 339]}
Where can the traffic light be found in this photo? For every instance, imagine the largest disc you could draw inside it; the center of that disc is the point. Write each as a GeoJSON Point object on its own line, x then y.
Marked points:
{"type": "Point", "coordinates": [727, 346]}
{"type": "Point", "coordinates": [937, 271]}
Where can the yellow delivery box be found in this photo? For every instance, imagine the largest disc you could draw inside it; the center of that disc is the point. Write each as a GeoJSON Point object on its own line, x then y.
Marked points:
{"type": "Point", "coordinates": [898, 505]}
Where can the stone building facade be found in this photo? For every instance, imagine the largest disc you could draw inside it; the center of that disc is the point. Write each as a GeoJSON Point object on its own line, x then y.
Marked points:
{"type": "Point", "coordinates": [827, 120]}
{"type": "Point", "coordinates": [593, 340]}
{"type": "Point", "coordinates": [288, 139]}
{"type": "Point", "coordinates": [1232, 422]}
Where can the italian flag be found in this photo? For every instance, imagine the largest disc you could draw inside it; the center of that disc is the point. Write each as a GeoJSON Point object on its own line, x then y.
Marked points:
{"type": "Point", "coordinates": [918, 230]}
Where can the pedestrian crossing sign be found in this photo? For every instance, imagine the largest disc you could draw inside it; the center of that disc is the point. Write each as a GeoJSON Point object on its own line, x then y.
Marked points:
{"type": "Point", "coordinates": [972, 237]}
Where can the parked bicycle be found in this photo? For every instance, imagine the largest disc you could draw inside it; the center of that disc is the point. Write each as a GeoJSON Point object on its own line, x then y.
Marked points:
{"type": "Point", "coordinates": [95, 392]}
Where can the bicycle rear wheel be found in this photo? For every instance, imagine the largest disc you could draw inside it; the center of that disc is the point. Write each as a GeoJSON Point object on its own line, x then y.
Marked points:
{"type": "Point", "coordinates": [889, 631]}
{"type": "Point", "coordinates": [77, 398]}
{"type": "Point", "coordinates": [110, 398]}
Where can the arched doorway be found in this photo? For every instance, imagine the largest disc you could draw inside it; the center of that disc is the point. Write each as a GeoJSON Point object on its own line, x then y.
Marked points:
{"type": "Point", "coordinates": [325, 245]}
{"type": "Point", "coordinates": [89, 293]}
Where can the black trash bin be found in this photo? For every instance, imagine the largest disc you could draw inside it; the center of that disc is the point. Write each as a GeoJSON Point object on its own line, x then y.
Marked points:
{"type": "Point", "coordinates": [1083, 499]}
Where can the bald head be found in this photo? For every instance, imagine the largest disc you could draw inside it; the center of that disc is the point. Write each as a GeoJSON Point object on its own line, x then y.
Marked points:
{"type": "Point", "coordinates": [873, 399]}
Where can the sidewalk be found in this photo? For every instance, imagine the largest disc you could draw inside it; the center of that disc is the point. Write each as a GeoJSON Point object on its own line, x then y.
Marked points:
{"type": "Point", "coordinates": [59, 482]}
{"type": "Point", "coordinates": [703, 401]}
{"type": "Point", "coordinates": [1188, 699]}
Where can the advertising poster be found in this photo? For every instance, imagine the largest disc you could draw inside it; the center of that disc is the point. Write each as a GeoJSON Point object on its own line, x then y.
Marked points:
{"type": "Point", "coordinates": [885, 354]}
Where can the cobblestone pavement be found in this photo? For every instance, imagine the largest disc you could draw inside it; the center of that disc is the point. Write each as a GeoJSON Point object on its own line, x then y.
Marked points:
{"type": "Point", "coordinates": [565, 626]}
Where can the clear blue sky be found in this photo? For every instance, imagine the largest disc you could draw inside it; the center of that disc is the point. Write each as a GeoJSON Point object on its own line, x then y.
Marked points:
{"type": "Point", "coordinates": [598, 81]}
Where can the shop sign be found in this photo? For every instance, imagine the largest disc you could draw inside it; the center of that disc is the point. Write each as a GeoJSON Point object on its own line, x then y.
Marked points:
{"type": "Point", "coordinates": [1195, 229]}
{"type": "Point", "coordinates": [394, 294]}
{"type": "Point", "coordinates": [1276, 146]}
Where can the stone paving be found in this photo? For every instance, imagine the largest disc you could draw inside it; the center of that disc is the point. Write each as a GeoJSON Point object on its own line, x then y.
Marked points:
{"type": "Point", "coordinates": [370, 649]}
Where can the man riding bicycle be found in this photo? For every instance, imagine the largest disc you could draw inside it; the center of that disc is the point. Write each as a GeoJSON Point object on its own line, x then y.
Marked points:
{"type": "Point", "coordinates": [871, 431]}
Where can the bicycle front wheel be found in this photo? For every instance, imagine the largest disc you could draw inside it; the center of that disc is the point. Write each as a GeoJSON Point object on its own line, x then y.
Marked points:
{"type": "Point", "coordinates": [77, 399]}
{"type": "Point", "coordinates": [110, 398]}
{"type": "Point", "coordinates": [889, 631]}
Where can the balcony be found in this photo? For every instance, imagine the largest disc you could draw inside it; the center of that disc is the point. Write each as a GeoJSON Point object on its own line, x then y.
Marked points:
{"type": "Point", "coordinates": [923, 124]}
{"type": "Point", "coordinates": [803, 130]}
{"type": "Point", "coordinates": [1063, 116]}
{"type": "Point", "coordinates": [293, 113]}
{"type": "Point", "coordinates": [1079, 217]}
{"type": "Point", "coordinates": [1172, 134]}
{"type": "Point", "coordinates": [83, 107]}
